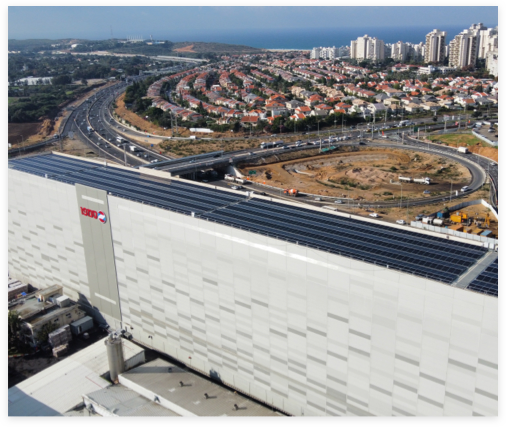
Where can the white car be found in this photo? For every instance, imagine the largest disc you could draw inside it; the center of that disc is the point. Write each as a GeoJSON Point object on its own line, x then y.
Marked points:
{"type": "Point", "coordinates": [464, 189]}
{"type": "Point", "coordinates": [401, 222]}
{"type": "Point", "coordinates": [374, 215]}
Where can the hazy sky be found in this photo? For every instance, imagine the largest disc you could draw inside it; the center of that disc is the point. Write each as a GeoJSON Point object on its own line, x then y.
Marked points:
{"type": "Point", "coordinates": [180, 23]}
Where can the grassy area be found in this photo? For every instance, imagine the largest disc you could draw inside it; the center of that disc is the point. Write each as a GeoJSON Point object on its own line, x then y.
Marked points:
{"type": "Point", "coordinates": [12, 100]}
{"type": "Point", "coordinates": [458, 139]}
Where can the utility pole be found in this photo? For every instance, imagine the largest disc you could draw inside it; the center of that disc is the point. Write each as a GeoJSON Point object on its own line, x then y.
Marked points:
{"type": "Point", "coordinates": [124, 151]}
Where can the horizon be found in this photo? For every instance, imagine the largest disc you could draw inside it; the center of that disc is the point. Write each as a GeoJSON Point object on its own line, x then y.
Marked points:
{"type": "Point", "coordinates": [215, 24]}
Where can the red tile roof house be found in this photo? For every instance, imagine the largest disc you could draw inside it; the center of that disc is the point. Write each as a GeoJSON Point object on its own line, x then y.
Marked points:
{"type": "Point", "coordinates": [343, 106]}
{"type": "Point", "coordinates": [303, 109]}
{"type": "Point", "coordinates": [323, 107]}
{"type": "Point", "coordinates": [250, 120]}
{"type": "Point", "coordinates": [297, 117]}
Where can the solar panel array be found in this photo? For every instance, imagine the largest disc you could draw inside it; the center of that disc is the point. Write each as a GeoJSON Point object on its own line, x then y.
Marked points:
{"type": "Point", "coordinates": [416, 253]}
{"type": "Point", "coordinates": [176, 196]}
{"type": "Point", "coordinates": [400, 249]}
{"type": "Point", "coordinates": [488, 281]}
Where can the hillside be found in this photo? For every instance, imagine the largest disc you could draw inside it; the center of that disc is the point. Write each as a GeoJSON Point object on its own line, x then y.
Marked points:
{"type": "Point", "coordinates": [202, 47]}
{"type": "Point", "coordinates": [190, 49]}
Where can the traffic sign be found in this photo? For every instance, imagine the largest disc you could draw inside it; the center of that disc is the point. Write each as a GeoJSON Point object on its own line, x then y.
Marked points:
{"type": "Point", "coordinates": [252, 172]}
{"type": "Point", "coordinates": [415, 129]}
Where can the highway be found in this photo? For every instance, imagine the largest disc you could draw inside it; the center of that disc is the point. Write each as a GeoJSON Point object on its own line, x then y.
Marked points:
{"type": "Point", "coordinates": [96, 112]}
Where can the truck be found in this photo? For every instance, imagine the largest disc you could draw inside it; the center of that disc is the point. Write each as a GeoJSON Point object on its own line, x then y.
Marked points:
{"type": "Point", "coordinates": [120, 140]}
{"type": "Point", "coordinates": [463, 150]}
{"type": "Point", "coordinates": [291, 192]}
{"type": "Point", "coordinates": [229, 177]}
{"type": "Point", "coordinates": [425, 181]}
{"type": "Point", "coordinates": [403, 123]}
{"type": "Point", "coordinates": [405, 179]}
{"type": "Point", "coordinates": [438, 221]}
{"type": "Point", "coordinates": [134, 148]}
{"type": "Point", "coordinates": [265, 145]}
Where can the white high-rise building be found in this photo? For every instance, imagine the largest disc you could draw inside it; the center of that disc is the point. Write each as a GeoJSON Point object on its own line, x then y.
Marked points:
{"type": "Point", "coordinates": [419, 51]}
{"type": "Point", "coordinates": [328, 52]}
{"type": "Point", "coordinates": [462, 50]}
{"type": "Point", "coordinates": [367, 48]}
{"type": "Point", "coordinates": [487, 40]}
{"type": "Point", "coordinates": [399, 51]}
{"type": "Point", "coordinates": [435, 43]}
{"type": "Point", "coordinates": [315, 53]}
{"type": "Point", "coordinates": [492, 62]}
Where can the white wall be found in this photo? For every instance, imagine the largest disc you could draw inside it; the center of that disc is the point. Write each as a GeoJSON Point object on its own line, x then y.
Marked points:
{"type": "Point", "coordinates": [311, 332]}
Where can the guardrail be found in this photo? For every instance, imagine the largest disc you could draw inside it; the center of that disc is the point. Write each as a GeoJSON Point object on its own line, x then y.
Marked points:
{"type": "Point", "coordinates": [485, 139]}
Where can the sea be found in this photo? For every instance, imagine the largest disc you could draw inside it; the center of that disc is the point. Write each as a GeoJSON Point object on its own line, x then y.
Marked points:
{"type": "Point", "coordinates": [307, 38]}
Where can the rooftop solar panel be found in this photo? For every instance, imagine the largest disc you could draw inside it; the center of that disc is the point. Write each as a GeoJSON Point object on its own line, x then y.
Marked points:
{"type": "Point", "coordinates": [400, 249]}
{"type": "Point", "coordinates": [487, 281]}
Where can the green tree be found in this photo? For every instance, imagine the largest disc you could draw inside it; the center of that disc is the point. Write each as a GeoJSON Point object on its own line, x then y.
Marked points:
{"type": "Point", "coordinates": [61, 80]}
{"type": "Point", "coordinates": [43, 333]}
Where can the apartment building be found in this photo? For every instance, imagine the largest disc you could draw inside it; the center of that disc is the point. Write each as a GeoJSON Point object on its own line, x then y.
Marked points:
{"type": "Point", "coordinates": [367, 48]}
{"type": "Point", "coordinates": [463, 50]}
{"type": "Point", "coordinates": [328, 53]}
{"type": "Point", "coordinates": [435, 43]}
{"type": "Point", "coordinates": [399, 51]}
{"type": "Point", "coordinates": [487, 39]}
{"type": "Point", "coordinates": [492, 62]}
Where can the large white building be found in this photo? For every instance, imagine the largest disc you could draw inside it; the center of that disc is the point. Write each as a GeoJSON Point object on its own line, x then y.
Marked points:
{"type": "Point", "coordinates": [462, 50]}
{"type": "Point", "coordinates": [328, 53]}
{"type": "Point", "coordinates": [399, 51]}
{"type": "Point", "coordinates": [492, 62]}
{"type": "Point", "coordinates": [487, 39]}
{"type": "Point", "coordinates": [313, 312]}
{"type": "Point", "coordinates": [367, 47]}
{"type": "Point", "coordinates": [435, 43]}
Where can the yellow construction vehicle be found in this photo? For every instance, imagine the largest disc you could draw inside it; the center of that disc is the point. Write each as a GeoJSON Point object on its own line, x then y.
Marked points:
{"type": "Point", "coordinates": [458, 217]}
{"type": "Point", "coordinates": [487, 220]}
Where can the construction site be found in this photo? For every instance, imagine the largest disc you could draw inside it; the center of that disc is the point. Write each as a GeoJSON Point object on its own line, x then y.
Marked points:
{"type": "Point", "coordinates": [370, 175]}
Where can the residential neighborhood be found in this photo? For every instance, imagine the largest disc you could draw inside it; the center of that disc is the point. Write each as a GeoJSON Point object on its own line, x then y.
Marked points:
{"type": "Point", "coordinates": [287, 91]}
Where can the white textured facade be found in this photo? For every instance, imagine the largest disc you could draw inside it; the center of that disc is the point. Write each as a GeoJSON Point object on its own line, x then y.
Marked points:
{"type": "Point", "coordinates": [367, 47]}
{"type": "Point", "coordinates": [492, 63]}
{"type": "Point", "coordinates": [435, 43]}
{"type": "Point", "coordinates": [487, 39]}
{"type": "Point", "coordinates": [309, 332]}
{"type": "Point", "coordinates": [462, 50]}
{"type": "Point", "coordinates": [399, 51]}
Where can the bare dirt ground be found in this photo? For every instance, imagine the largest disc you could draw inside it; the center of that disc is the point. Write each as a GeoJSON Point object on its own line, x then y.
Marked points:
{"type": "Point", "coordinates": [408, 213]}
{"type": "Point", "coordinates": [20, 132]}
{"type": "Point", "coordinates": [188, 48]}
{"type": "Point", "coordinates": [491, 153]}
{"type": "Point", "coordinates": [370, 174]}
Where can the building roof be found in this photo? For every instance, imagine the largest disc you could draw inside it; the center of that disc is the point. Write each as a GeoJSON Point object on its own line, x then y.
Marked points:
{"type": "Point", "coordinates": [154, 378]}
{"type": "Point", "coordinates": [119, 401]}
{"type": "Point", "coordinates": [385, 246]}
{"type": "Point", "coordinates": [60, 387]}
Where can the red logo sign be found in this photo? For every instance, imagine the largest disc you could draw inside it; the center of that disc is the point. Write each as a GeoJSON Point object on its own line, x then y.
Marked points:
{"type": "Point", "coordinates": [94, 214]}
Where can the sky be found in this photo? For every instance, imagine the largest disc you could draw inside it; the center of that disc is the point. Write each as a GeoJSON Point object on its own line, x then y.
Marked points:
{"type": "Point", "coordinates": [196, 23]}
